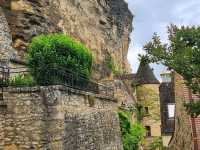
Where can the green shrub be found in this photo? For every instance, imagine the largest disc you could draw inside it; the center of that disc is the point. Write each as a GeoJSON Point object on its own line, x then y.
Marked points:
{"type": "Point", "coordinates": [22, 80]}
{"type": "Point", "coordinates": [56, 50]}
{"type": "Point", "coordinates": [132, 134]}
{"type": "Point", "coordinates": [109, 63]}
{"type": "Point", "coordinates": [193, 108]}
{"type": "Point", "coordinates": [156, 144]}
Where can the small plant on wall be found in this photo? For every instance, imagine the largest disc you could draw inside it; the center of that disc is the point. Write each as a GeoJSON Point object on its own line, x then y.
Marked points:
{"type": "Point", "coordinates": [111, 66]}
{"type": "Point", "coordinates": [157, 144]}
{"type": "Point", "coordinates": [139, 110]}
{"type": "Point", "coordinates": [57, 51]}
{"type": "Point", "coordinates": [22, 80]}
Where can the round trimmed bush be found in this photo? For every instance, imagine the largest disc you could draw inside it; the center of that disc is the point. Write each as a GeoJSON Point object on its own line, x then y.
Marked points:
{"type": "Point", "coordinates": [47, 52]}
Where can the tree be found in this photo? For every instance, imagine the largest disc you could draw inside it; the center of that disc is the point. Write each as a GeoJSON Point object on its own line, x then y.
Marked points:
{"type": "Point", "coordinates": [181, 54]}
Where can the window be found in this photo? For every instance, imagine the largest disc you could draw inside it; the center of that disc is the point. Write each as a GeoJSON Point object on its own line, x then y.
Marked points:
{"type": "Point", "coordinates": [166, 77]}
{"type": "Point", "coordinates": [146, 109]}
{"type": "Point", "coordinates": [171, 110]}
{"type": "Point", "coordinates": [148, 130]}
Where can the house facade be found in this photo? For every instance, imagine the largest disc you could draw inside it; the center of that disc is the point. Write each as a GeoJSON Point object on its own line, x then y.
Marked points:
{"type": "Point", "coordinates": [167, 107]}
{"type": "Point", "coordinates": [187, 128]}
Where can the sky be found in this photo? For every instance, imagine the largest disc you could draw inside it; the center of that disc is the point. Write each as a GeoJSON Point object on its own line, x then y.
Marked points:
{"type": "Point", "coordinates": [154, 16]}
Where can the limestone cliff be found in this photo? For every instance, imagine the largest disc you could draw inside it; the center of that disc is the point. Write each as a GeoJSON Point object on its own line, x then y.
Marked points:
{"type": "Point", "coordinates": [103, 25]}
{"type": "Point", "coordinates": [5, 39]}
{"type": "Point", "coordinates": [65, 118]}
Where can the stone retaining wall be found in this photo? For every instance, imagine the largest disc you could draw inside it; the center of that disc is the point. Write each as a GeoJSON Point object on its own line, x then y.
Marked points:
{"type": "Point", "coordinates": [58, 118]}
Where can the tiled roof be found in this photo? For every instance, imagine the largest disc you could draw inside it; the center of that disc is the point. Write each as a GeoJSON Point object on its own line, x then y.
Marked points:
{"type": "Point", "coordinates": [145, 75]}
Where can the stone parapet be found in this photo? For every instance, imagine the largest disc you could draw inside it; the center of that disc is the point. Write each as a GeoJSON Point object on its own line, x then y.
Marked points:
{"type": "Point", "coordinates": [57, 87]}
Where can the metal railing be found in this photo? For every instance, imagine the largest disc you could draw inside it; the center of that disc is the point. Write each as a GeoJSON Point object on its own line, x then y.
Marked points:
{"type": "Point", "coordinates": [59, 76]}
{"type": "Point", "coordinates": [4, 76]}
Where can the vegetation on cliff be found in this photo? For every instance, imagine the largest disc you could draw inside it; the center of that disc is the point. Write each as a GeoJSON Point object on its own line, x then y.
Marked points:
{"type": "Point", "coordinates": [22, 80]}
{"type": "Point", "coordinates": [132, 134]}
{"type": "Point", "coordinates": [181, 54]}
{"type": "Point", "coordinates": [47, 52]}
{"type": "Point", "coordinates": [110, 64]}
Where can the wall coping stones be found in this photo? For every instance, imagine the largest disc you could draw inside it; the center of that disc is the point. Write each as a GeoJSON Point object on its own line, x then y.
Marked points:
{"type": "Point", "coordinates": [56, 87]}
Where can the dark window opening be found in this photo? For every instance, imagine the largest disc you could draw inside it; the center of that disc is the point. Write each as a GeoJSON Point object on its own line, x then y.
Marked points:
{"type": "Point", "coordinates": [148, 130]}
{"type": "Point", "coordinates": [146, 110]}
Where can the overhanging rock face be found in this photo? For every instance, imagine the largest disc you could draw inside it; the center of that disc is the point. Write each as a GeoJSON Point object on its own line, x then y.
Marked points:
{"type": "Point", "coordinates": [58, 118]}
{"type": "Point", "coordinates": [103, 26]}
{"type": "Point", "coordinates": [5, 39]}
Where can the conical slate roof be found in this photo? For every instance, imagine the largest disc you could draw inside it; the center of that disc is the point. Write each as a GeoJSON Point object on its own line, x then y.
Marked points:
{"type": "Point", "coordinates": [145, 75]}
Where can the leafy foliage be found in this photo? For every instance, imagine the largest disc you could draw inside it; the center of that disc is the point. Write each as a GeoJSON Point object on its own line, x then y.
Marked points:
{"type": "Point", "coordinates": [140, 114]}
{"type": "Point", "coordinates": [143, 59]}
{"type": "Point", "coordinates": [22, 80]}
{"type": "Point", "coordinates": [181, 54]}
{"type": "Point", "coordinates": [132, 134]}
{"type": "Point", "coordinates": [156, 144]}
{"type": "Point", "coordinates": [193, 108]}
{"type": "Point", "coordinates": [110, 64]}
{"type": "Point", "coordinates": [57, 50]}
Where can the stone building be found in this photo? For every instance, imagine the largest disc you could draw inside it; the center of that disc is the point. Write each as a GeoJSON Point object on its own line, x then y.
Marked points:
{"type": "Point", "coordinates": [167, 107]}
{"type": "Point", "coordinates": [147, 93]}
{"type": "Point", "coordinates": [187, 129]}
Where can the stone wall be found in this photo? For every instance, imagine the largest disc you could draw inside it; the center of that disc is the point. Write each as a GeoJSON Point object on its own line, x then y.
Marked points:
{"type": "Point", "coordinates": [123, 93]}
{"type": "Point", "coordinates": [182, 138]}
{"type": "Point", "coordinates": [92, 130]}
{"type": "Point", "coordinates": [148, 96]}
{"type": "Point", "coordinates": [58, 118]}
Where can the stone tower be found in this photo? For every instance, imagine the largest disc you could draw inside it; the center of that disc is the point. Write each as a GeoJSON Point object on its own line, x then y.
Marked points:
{"type": "Point", "coordinates": [147, 91]}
